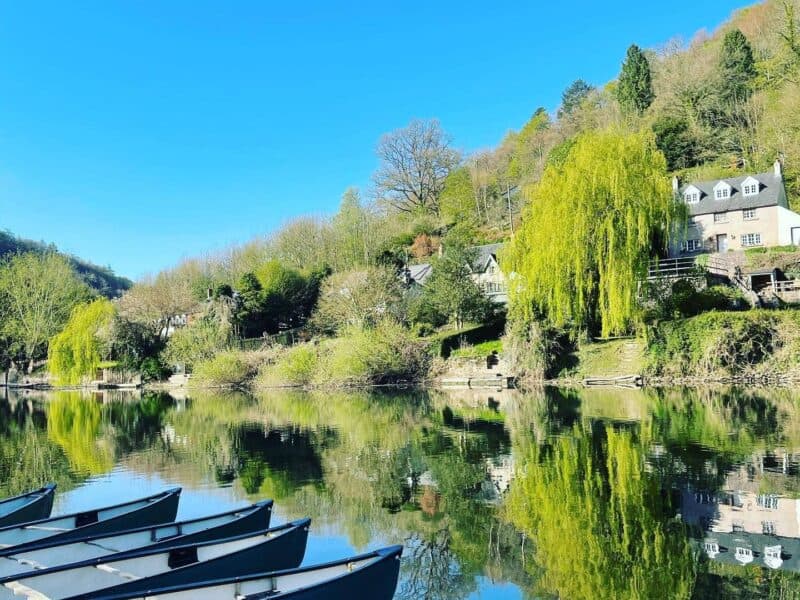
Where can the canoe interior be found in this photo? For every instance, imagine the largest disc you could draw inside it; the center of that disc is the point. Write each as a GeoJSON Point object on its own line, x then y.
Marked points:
{"type": "Point", "coordinates": [229, 524]}
{"type": "Point", "coordinates": [161, 508]}
{"type": "Point", "coordinates": [32, 506]}
{"type": "Point", "coordinates": [277, 548]}
{"type": "Point", "coordinates": [372, 576]}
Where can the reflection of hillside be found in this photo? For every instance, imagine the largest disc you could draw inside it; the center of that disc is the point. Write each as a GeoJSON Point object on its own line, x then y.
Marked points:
{"type": "Point", "coordinates": [375, 466]}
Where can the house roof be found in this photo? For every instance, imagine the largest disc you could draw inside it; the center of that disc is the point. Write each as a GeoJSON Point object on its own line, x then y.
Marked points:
{"type": "Point", "coordinates": [419, 273]}
{"type": "Point", "coordinates": [484, 256]}
{"type": "Point", "coordinates": [772, 192]}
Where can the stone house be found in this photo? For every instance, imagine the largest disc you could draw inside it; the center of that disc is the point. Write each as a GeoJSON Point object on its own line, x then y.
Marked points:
{"type": "Point", "coordinates": [484, 270]}
{"type": "Point", "coordinates": [487, 274]}
{"type": "Point", "coordinates": [736, 214]}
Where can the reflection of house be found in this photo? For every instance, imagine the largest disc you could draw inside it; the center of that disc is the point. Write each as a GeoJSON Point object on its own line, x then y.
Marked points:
{"type": "Point", "coordinates": [751, 522]}
{"type": "Point", "coordinates": [742, 511]}
{"type": "Point", "coordinates": [737, 213]}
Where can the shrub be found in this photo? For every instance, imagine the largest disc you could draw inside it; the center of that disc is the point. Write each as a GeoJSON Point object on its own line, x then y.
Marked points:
{"type": "Point", "coordinates": [297, 366]}
{"type": "Point", "coordinates": [227, 368]}
{"type": "Point", "coordinates": [715, 343]}
{"type": "Point", "coordinates": [153, 369]}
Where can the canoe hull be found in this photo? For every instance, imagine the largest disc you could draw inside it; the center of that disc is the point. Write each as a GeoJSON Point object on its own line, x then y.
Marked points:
{"type": "Point", "coordinates": [39, 507]}
{"type": "Point", "coordinates": [283, 552]}
{"type": "Point", "coordinates": [162, 508]}
{"type": "Point", "coordinates": [376, 580]}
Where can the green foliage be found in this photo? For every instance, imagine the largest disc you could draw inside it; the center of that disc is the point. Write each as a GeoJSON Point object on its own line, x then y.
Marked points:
{"type": "Point", "coordinates": [588, 232]}
{"type": "Point", "coordinates": [684, 299]}
{"type": "Point", "coordinates": [197, 342]}
{"type": "Point", "coordinates": [385, 353]}
{"type": "Point", "coordinates": [635, 89]}
{"type": "Point", "coordinates": [480, 350]}
{"type": "Point", "coordinates": [297, 366]}
{"type": "Point", "coordinates": [737, 68]}
{"type": "Point", "coordinates": [457, 203]}
{"type": "Point", "coordinates": [37, 295]}
{"type": "Point", "coordinates": [78, 349]}
{"type": "Point", "coordinates": [676, 141]}
{"type": "Point", "coordinates": [752, 343]}
{"type": "Point", "coordinates": [573, 97]}
{"type": "Point", "coordinates": [101, 279]}
{"type": "Point", "coordinates": [450, 293]}
{"type": "Point", "coordinates": [227, 368]}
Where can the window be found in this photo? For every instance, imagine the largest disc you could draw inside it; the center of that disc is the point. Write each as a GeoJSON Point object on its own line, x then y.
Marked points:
{"type": "Point", "coordinates": [773, 552]}
{"type": "Point", "coordinates": [722, 190]}
{"type": "Point", "coordinates": [692, 245]}
{"type": "Point", "coordinates": [751, 239]}
{"type": "Point", "coordinates": [768, 527]}
{"type": "Point", "coordinates": [767, 500]}
{"type": "Point", "coordinates": [711, 547]}
{"type": "Point", "coordinates": [750, 186]}
{"type": "Point", "coordinates": [744, 555]}
{"type": "Point", "coordinates": [720, 217]}
{"type": "Point", "coordinates": [692, 197]}
{"type": "Point", "coordinates": [748, 214]}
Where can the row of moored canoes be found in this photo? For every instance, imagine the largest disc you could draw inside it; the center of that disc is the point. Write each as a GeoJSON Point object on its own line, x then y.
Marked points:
{"type": "Point", "coordinates": [137, 550]}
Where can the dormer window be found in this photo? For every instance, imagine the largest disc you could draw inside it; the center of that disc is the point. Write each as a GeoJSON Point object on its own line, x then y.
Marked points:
{"type": "Point", "coordinates": [722, 191]}
{"type": "Point", "coordinates": [691, 195]}
{"type": "Point", "coordinates": [750, 186]}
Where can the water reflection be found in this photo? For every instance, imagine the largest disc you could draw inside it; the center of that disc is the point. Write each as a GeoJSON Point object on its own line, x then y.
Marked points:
{"type": "Point", "coordinates": [554, 493]}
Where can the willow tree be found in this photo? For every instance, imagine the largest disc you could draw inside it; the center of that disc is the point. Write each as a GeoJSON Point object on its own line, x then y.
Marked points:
{"type": "Point", "coordinates": [590, 226]}
{"type": "Point", "coordinates": [80, 347]}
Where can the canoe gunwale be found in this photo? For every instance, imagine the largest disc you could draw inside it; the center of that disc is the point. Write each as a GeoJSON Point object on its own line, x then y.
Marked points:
{"type": "Point", "coordinates": [42, 491]}
{"type": "Point", "coordinates": [153, 498]}
{"type": "Point", "coordinates": [377, 556]}
{"type": "Point", "coordinates": [142, 552]}
{"type": "Point", "coordinates": [52, 543]}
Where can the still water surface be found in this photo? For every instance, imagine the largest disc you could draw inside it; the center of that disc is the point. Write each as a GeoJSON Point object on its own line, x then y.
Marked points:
{"type": "Point", "coordinates": [554, 493]}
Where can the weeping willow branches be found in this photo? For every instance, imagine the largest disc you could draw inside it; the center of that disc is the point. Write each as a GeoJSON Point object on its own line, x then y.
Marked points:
{"type": "Point", "coordinates": [590, 227]}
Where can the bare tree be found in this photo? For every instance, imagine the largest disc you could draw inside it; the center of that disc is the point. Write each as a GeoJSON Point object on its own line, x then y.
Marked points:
{"type": "Point", "coordinates": [415, 161]}
{"type": "Point", "coordinates": [155, 302]}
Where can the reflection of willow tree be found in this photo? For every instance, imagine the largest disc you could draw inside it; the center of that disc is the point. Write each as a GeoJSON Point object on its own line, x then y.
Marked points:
{"type": "Point", "coordinates": [94, 435]}
{"type": "Point", "coordinates": [28, 459]}
{"type": "Point", "coordinates": [376, 466]}
{"type": "Point", "coordinates": [601, 526]}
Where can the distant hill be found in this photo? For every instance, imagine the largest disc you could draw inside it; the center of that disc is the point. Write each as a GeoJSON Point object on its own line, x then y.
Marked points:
{"type": "Point", "coordinates": [101, 279]}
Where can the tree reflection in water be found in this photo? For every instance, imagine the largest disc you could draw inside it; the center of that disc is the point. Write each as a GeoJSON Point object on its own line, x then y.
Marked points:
{"type": "Point", "coordinates": [559, 492]}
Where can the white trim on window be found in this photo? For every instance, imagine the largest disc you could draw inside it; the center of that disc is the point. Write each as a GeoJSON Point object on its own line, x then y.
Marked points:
{"type": "Point", "coordinates": [749, 214]}
{"type": "Point", "coordinates": [751, 239]}
{"type": "Point", "coordinates": [692, 245]}
{"type": "Point", "coordinates": [751, 186]}
{"type": "Point", "coordinates": [722, 191]}
{"type": "Point", "coordinates": [721, 217]}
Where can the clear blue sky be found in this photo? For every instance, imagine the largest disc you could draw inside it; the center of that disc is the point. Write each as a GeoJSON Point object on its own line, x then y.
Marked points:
{"type": "Point", "coordinates": [137, 133]}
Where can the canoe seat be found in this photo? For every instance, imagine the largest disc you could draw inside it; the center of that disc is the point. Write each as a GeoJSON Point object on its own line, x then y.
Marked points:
{"type": "Point", "coordinates": [86, 518]}
{"type": "Point", "coordinates": [180, 557]}
{"type": "Point", "coordinates": [23, 590]}
{"type": "Point", "coordinates": [117, 572]}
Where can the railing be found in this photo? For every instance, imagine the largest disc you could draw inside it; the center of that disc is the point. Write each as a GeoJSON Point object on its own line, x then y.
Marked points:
{"type": "Point", "coordinates": [688, 266]}
{"type": "Point", "coordinates": [285, 338]}
{"type": "Point", "coordinates": [792, 285]}
{"type": "Point", "coordinates": [672, 267]}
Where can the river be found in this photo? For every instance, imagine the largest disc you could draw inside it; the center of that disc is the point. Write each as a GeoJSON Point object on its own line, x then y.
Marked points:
{"type": "Point", "coordinates": [612, 493]}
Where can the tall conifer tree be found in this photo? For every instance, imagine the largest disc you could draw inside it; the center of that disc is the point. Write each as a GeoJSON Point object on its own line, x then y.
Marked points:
{"type": "Point", "coordinates": [737, 68]}
{"type": "Point", "coordinates": [635, 90]}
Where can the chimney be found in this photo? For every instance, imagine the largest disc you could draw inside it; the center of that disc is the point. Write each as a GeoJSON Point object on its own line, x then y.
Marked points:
{"type": "Point", "coordinates": [778, 168]}
{"type": "Point", "coordinates": [676, 184]}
